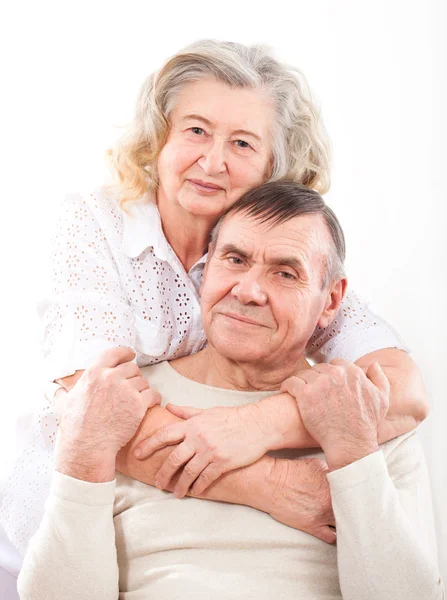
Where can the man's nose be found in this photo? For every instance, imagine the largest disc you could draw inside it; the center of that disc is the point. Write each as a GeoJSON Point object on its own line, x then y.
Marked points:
{"type": "Point", "coordinates": [249, 290]}
{"type": "Point", "coordinates": [213, 160]}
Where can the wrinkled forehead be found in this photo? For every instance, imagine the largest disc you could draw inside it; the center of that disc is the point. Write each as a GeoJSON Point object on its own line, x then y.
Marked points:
{"type": "Point", "coordinates": [305, 237]}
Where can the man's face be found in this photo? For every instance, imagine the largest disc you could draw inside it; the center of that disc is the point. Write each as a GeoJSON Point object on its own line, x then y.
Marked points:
{"type": "Point", "coordinates": [262, 292]}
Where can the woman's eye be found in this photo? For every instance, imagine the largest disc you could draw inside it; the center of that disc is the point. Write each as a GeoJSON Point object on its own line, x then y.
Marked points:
{"type": "Point", "coordinates": [242, 144]}
{"type": "Point", "coordinates": [197, 130]}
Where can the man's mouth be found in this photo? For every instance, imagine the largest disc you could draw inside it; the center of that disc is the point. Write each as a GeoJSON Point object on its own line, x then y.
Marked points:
{"type": "Point", "coordinates": [243, 319]}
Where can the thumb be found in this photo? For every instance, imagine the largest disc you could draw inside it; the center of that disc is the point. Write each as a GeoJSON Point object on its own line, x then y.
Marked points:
{"type": "Point", "coordinates": [376, 375]}
{"type": "Point", "coordinates": [326, 534]}
{"type": "Point", "coordinates": [114, 357]}
{"type": "Point", "coordinates": [380, 380]}
{"type": "Point", "coordinates": [292, 386]}
{"type": "Point", "coordinates": [184, 412]}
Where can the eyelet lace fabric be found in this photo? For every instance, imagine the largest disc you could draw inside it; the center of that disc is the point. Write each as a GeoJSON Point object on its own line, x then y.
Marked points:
{"type": "Point", "coordinates": [117, 282]}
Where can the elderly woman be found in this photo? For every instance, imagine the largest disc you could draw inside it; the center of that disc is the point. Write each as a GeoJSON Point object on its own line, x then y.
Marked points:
{"type": "Point", "coordinates": [217, 120]}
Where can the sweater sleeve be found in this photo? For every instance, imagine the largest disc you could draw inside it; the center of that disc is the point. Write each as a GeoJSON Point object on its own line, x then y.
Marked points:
{"type": "Point", "coordinates": [386, 543]}
{"type": "Point", "coordinates": [73, 554]}
{"type": "Point", "coordinates": [355, 331]}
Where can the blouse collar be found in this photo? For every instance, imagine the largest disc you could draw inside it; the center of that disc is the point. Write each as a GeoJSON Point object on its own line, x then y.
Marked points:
{"type": "Point", "coordinates": [142, 229]}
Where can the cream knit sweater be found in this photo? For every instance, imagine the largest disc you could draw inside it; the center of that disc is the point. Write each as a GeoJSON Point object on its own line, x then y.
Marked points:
{"type": "Point", "coordinates": [127, 540]}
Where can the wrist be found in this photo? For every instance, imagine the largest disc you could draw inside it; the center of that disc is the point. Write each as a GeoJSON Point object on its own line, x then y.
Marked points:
{"type": "Point", "coordinates": [265, 482]}
{"type": "Point", "coordinates": [94, 467]}
{"type": "Point", "coordinates": [281, 420]}
{"type": "Point", "coordinates": [339, 456]}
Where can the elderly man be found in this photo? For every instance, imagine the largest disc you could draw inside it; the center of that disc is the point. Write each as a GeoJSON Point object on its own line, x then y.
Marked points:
{"type": "Point", "coordinates": [274, 273]}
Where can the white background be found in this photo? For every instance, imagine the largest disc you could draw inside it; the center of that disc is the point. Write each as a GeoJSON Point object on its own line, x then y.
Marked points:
{"type": "Point", "coordinates": [378, 69]}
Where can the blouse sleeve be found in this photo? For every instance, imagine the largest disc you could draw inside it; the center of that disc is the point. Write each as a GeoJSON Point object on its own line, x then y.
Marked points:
{"type": "Point", "coordinates": [355, 331]}
{"type": "Point", "coordinates": [86, 311]}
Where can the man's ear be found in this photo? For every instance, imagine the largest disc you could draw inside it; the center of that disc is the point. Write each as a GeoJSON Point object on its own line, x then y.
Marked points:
{"type": "Point", "coordinates": [335, 295]}
{"type": "Point", "coordinates": [205, 269]}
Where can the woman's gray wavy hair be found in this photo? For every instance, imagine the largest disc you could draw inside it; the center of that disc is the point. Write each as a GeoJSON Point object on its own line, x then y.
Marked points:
{"type": "Point", "coordinates": [300, 144]}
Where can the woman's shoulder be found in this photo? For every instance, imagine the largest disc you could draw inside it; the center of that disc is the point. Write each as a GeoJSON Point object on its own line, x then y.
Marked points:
{"type": "Point", "coordinates": [102, 204]}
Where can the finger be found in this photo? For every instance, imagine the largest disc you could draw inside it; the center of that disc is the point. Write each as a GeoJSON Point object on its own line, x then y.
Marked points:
{"type": "Point", "coordinates": [184, 412]}
{"type": "Point", "coordinates": [166, 436]}
{"type": "Point", "coordinates": [189, 474]}
{"type": "Point", "coordinates": [326, 534]}
{"type": "Point", "coordinates": [148, 399]}
{"type": "Point", "coordinates": [139, 383]}
{"type": "Point", "coordinates": [292, 383]}
{"type": "Point", "coordinates": [127, 370]}
{"type": "Point", "coordinates": [114, 357]}
{"type": "Point", "coordinates": [206, 478]}
{"type": "Point", "coordinates": [376, 375]}
{"type": "Point", "coordinates": [340, 362]}
{"type": "Point", "coordinates": [178, 457]}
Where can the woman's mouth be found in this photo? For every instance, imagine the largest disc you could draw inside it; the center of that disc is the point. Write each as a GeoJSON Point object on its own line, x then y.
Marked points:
{"type": "Point", "coordinates": [205, 186]}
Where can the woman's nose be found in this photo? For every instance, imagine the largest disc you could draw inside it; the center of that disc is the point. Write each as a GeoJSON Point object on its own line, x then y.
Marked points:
{"type": "Point", "coordinates": [213, 160]}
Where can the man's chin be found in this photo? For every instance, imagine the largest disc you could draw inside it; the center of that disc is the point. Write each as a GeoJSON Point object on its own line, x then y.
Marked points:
{"type": "Point", "coordinates": [241, 350]}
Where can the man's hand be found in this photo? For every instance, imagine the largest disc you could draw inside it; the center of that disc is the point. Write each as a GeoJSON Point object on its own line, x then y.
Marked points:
{"type": "Point", "coordinates": [299, 497]}
{"type": "Point", "coordinates": [341, 407]}
{"type": "Point", "coordinates": [211, 443]}
{"type": "Point", "coordinates": [101, 414]}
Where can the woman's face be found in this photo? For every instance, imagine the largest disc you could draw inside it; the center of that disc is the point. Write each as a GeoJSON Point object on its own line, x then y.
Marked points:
{"type": "Point", "coordinates": [219, 147]}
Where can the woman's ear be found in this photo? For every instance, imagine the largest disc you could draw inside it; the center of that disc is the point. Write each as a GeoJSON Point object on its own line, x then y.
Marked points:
{"type": "Point", "coordinates": [335, 295]}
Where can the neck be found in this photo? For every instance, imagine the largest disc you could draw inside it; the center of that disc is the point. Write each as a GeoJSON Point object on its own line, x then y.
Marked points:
{"type": "Point", "coordinates": [188, 235]}
{"type": "Point", "coordinates": [210, 368]}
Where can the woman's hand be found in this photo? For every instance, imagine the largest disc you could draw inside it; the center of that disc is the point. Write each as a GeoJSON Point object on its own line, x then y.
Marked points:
{"type": "Point", "coordinates": [211, 442]}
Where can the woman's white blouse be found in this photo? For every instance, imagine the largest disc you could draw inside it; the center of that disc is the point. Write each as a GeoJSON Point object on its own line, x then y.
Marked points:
{"type": "Point", "coordinates": [117, 282]}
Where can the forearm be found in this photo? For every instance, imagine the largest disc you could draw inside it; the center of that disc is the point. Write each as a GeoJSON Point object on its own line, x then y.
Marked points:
{"type": "Point", "coordinates": [282, 422]}
{"type": "Point", "coordinates": [248, 485]}
{"type": "Point", "coordinates": [73, 553]}
{"type": "Point", "coordinates": [408, 404]}
{"type": "Point", "coordinates": [382, 547]}
{"type": "Point", "coordinates": [408, 396]}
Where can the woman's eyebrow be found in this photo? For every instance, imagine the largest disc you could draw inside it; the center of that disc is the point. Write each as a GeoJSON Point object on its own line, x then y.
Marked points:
{"type": "Point", "coordinates": [195, 117]}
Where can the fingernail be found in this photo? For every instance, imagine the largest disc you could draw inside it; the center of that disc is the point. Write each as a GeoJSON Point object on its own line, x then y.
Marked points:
{"type": "Point", "coordinates": [138, 453]}
{"type": "Point", "coordinates": [157, 484]}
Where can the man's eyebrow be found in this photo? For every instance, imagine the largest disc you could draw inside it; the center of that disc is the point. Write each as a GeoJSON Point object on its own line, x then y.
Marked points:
{"type": "Point", "coordinates": [232, 249]}
{"type": "Point", "coordinates": [286, 261]}
{"type": "Point", "coordinates": [196, 117]}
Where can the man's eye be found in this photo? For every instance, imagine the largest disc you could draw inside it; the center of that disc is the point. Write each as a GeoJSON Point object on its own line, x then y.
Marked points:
{"type": "Point", "coordinates": [235, 260]}
{"type": "Point", "coordinates": [286, 275]}
{"type": "Point", "coordinates": [197, 130]}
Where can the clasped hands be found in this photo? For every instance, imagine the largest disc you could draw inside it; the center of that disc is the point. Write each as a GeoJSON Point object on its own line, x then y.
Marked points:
{"type": "Point", "coordinates": [339, 404]}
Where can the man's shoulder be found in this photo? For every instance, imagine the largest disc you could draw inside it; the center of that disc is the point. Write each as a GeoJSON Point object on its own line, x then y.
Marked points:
{"type": "Point", "coordinates": [157, 374]}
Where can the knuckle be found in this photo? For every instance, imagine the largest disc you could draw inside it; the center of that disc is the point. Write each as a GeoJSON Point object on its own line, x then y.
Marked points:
{"type": "Point", "coordinates": [160, 437]}
{"type": "Point", "coordinates": [175, 459]}
{"type": "Point", "coordinates": [190, 471]}
{"type": "Point", "coordinates": [204, 478]}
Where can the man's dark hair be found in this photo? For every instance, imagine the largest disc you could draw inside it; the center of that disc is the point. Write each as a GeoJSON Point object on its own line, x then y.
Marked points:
{"type": "Point", "coordinates": [279, 201]}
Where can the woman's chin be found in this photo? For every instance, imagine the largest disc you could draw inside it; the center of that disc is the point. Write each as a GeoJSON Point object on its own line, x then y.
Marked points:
{"type": "Point", "coordinates": [208, 208]}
